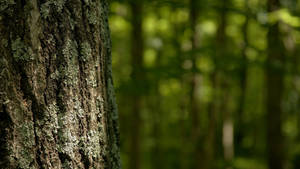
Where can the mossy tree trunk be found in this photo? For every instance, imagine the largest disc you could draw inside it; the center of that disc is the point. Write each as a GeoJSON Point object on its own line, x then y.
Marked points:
{"type": "Point", "coordinates": [57, 103]}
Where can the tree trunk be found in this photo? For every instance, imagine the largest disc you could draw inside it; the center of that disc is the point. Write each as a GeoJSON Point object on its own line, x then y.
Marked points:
{"type": "Point", "coordinates": [56, 93]}
{"type": "Point", "coordinates": [227, 119]}
{"type": "Point", "coordinates": [194, 83]}
{"type": "Point", "coordinates": [210, 140]}
{"type": "Point", "coordinates": [194, 103]}
{"type": "Point", "coordinates": [226, 114]}
{"type": "Point", "coordinates": [157, 115]}
{"type": "Point", "coordinates": [274, 80]}
{"type": "Point", "coordinates": [297, 77]}
{"type": "Point", "coordinates": [137, 78]}
{"type": "Point", "coordinates": [240, 126]}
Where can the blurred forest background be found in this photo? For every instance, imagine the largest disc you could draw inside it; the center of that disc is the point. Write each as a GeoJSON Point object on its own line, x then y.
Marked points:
{"type": "Point", "coordinates": [207, 84]}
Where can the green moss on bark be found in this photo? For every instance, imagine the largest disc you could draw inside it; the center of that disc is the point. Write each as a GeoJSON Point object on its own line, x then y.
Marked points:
{"type": "Point", "coordinates": [21, 52]}
{"type": "Point", "coordinates": [25, 156]}
{"type": "Point", "coordinates": [85, 51]}
{"type": "Point", "coordinates": [46, 7]}
{"type": "Point", "coordinates": [4, 4]}
{"type": "Point", "coordinates": [69, 72]}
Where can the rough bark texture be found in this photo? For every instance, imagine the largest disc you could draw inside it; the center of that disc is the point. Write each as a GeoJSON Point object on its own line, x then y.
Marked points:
{"type": "Point", "coordinates": [57, 103]}
{"type": "Point", "coordinates": [274, 80]}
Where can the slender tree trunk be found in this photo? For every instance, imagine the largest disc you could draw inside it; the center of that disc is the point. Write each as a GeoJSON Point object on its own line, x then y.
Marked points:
{"type": "Point", "coordinates": [194, 82]}
{"type": "Point", "coordinates": [274, 80]}
{"type": "Point", "coordinates": [297, 88]}
{"type": "Point", "coordinates": [210, 140]}
{"type": "Point", "coordinates": [137, 50]}
{"type": "Point", "coordinates": [157, 158]}
{"type": "Point", "coordinates": [194, 109]}
{"type": "Point", "coordinates": [227, 130]}
{"type": "Point", "coordinates": [296, 77]}
{"type": "Point", "coordinates": [57, 103]}
{"type": "Point", "coordinates": [243, 81]}
{"type": "Point", "coordinates": [227, 126]}
{"type": "Point", "coordinates": [214, 104]}
{"type": "Point", "coordinates": [182, 101]}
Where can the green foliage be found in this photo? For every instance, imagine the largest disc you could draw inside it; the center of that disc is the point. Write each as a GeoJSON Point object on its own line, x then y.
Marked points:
{"type": "Point", "coordinates": [227, 63]}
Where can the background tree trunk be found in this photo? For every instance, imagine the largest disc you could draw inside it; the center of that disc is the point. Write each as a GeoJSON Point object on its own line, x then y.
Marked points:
{"type": "Point", "coordinates": [224, 86]}
{"type": "Point", "coordinates": [137, 74]}
{"type": "Point", "coordinates": [56, 93]}
{"type": "Point", "coordinates": [195, 83]}
{"type": "Point", "coordinates": [239, 124]}
{"type": "Point", "coordinates": [275, 86]}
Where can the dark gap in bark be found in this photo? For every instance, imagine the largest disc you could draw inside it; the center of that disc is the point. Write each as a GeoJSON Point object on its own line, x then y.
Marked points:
{"type": "Point", "coordinates": [84, 19]}
{"type": "Point", "coordinates": [39, 2]}
{"type": "Point", "coordinates": [45, 96]}
{"type": "Point", "coordinates": [38, 151]}
{"type": "Point", "coordinates": [106, 161]}
{"type": "Point", "coordinates": [37, 109]}
{"type": "Point", "coordinates": [4, 124]}
{"type": "Point", "coordinates": [48, 73]}
{"type": "Point", "coordinates": [84, 159]}
{"type": "Point", "coordinates": [64, 157]}
{"type": "Point", "coordinates": [22, 2]}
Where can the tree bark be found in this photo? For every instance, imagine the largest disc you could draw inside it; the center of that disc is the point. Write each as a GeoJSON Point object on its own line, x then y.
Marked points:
{"type": "Point", "coordinates": [57, 100]}
{"type": "Point", "coordinates": [275, 86]}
